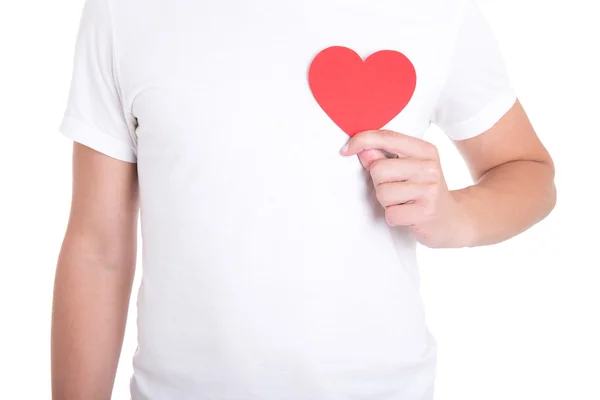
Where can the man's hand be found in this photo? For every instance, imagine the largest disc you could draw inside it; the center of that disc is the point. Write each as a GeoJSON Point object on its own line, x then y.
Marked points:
{"type": "Point", "coordinates": [513, 173]}
{"type": "Point", "coordinates": [411, 187]}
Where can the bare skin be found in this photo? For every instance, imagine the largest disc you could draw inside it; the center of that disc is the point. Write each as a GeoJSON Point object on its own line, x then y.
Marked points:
{"type": "Point", "coordinates": [94, 277]}
{"type": "Point", "coordinates": [514, 190]}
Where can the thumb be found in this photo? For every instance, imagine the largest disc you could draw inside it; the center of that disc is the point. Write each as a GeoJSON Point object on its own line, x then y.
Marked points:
{"type": "Point", "coordinates": [367, 157]}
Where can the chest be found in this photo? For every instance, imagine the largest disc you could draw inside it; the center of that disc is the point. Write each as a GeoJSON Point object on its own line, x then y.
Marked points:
{"type": "Point", "coordinates": [227, 67]}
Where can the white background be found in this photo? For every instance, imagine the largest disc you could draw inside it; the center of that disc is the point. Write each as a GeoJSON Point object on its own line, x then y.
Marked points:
{"type": "Point", "coordinates": [518, 321]}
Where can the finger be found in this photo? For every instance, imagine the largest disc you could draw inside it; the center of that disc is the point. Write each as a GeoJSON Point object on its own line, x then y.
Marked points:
{"type": "Point", "coordinates": [404, 169]}
{"type": "Point", "coordinates": [396, 193]}
{"type": "Point", "coordinates": [393, 142]}
{"type": "Point", "coordinates": [368, 157]}
{"type": "Point", "coordinates": [404, 215]}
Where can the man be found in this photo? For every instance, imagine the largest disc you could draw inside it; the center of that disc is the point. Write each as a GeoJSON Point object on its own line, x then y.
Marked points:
{"type": "Point", "coordinates": [273, 267]}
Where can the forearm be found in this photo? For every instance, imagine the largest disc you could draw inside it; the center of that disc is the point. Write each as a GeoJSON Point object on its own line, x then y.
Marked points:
{"type": "Point", "coordinates": [507, 200]}
{"type": "Point", "coordinates": [91, 298]}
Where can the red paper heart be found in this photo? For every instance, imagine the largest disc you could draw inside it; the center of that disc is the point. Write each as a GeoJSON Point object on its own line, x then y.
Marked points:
{"type": "Point", "coordinates": [359, 95]}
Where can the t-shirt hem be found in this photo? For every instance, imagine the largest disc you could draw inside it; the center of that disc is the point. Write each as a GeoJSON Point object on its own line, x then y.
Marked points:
{"type": "Point", "coordinates": [81, 132]}
{"type": "Point", "coordinates": [485, 119]}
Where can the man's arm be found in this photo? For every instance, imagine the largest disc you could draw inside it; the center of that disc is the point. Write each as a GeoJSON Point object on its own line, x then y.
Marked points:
{"type": "Point", "coordinates": [514, 177]}
{"type": "Point", "coordinates": [514, 183]}
{"type": "Point", "coordinates": [94, 277]}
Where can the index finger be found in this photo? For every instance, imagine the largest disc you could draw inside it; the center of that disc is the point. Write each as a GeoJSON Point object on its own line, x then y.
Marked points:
{"type": "Point", "coordinates": [390, 141]}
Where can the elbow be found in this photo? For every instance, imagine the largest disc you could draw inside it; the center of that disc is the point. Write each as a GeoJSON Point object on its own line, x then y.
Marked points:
{"type": "Point", "coordinates": [96, 249]}
{"type": "Point", "coordinates": [551, 194]}
{"type": "Point", "coordinates": [552, 198]}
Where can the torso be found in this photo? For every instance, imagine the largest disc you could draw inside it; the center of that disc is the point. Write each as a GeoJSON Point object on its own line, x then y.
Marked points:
{"type": "Point", "coordinates": [269, 271]}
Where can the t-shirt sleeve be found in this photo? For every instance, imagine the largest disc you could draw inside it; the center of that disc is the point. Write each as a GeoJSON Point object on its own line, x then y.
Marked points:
{"type": "Point", "coordinates": [477, 91]}
{"type": "Point", "coordinates": [94, 115]}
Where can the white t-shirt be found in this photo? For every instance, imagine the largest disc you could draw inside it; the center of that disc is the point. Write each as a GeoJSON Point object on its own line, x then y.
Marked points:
{"type": "Point", "coordinates": [269, 272]}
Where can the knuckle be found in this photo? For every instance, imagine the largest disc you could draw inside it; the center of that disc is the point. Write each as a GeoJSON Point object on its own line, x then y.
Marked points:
{"type": "Point", "coordinates": [431, 150]}
{"type": "Point", "coordinates": [431, 191]}
{"type": "Point", "coordinates": [383, 194]}
{"type": "Point", "coordinates": [387, 132]}
{"type": "Point", "coordinates": [359, 137]}
{"type": "Point", "coordinates": [380, 194]}
{"type": "Point", "coordinates": [391, 216]}
{"type": "Point", "coordinates": [378, 170]}
{"type": "Point", "coordinates": [365, 134]}
{"type": "Point", "coordinates": [432, 171]}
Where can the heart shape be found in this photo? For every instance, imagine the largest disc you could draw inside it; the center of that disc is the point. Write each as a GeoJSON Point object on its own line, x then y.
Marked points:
{"type": "Point", "coordinates": [359, 95]}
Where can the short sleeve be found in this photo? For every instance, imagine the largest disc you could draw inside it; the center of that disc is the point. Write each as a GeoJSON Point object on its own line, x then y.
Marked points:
{"type": "Point", "coordinates": [94, 115]}
{"type": "Point", "coordinates": [477, 91]}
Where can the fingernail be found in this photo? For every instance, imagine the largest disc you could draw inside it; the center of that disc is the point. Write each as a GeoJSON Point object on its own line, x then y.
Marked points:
{"type": "Point", "coordinates": [344, 149]}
